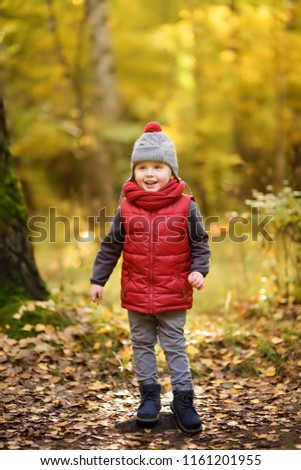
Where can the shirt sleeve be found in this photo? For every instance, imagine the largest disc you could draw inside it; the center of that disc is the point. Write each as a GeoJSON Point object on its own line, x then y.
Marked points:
{"type": "Point", "coordinates": [109, 252]}
{"type": "Point", "coordinates": [200, 250]}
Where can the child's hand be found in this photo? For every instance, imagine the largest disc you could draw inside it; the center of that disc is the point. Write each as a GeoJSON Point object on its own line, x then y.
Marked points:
{"type": "Point", "coordinates": [96, 292]}
{"type": "Point", "coordinates": [196, 280]}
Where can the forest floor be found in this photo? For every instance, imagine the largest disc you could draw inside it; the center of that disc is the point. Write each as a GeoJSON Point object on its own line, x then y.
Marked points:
{"type": "Point", "coordinates": [57, 394]}
{"type": "Point", "coordinates": [72, 416]}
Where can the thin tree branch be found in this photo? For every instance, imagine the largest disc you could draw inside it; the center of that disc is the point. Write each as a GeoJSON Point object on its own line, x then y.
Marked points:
{"type": "Point", "coordinates": [57, 40]}
{"type": "Point", "coordinates": [71, 73]}
{"type": "Point", "coordinates": [77, 79]}
{"type": "Point", "coordinates": [4, 138]}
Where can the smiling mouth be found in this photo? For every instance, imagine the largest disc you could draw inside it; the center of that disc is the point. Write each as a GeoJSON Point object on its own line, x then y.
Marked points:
{"type": "Point", "coordinates": [150, 183]}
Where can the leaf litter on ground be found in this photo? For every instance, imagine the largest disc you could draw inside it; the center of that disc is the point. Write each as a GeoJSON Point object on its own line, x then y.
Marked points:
{"type": "Point", "coordinates": [60, 391]}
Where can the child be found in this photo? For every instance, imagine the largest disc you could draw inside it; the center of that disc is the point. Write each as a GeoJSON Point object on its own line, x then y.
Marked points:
{"type": "Point", "coordinates": [165, 255]}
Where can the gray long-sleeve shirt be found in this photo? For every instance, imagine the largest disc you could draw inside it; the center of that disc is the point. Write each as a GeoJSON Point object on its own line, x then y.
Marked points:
{"type": "Point", "coordinates": [112, 245]}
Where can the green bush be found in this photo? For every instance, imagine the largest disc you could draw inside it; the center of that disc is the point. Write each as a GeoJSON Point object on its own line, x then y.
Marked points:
{"type": "Point", "coordinates": [282, 255]}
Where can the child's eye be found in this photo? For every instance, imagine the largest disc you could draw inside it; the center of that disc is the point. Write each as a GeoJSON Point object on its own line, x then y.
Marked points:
{"type": "Point", "coordinates": [158, 167]}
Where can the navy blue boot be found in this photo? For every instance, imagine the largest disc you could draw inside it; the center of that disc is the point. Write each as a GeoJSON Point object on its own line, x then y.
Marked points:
{"type": "Point", "coordinates": [148, 411]}
{"type": "Point", "coordinates": [182, 406]}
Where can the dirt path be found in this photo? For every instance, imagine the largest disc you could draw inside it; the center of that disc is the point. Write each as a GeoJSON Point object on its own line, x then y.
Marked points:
{"type": "Point", "coordinates": [57, 394]}
{"type": "Point", "coordinates": [70, 415]}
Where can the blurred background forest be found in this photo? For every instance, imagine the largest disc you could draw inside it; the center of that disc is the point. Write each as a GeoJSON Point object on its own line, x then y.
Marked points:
{"type": "Point", "coordinates": [82, 77]}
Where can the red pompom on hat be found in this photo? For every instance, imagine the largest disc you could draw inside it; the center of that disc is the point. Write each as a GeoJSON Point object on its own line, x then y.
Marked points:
{"type": "Point", "coordinates": [153, 126]}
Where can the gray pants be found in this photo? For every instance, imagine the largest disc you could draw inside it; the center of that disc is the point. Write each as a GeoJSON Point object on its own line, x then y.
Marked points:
{"type": "Point", "coordinates": [169, 327]}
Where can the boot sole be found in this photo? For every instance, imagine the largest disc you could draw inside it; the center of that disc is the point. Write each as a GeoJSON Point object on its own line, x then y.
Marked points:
{"type": "Point", "coordinates": [147, 420]}
{"type": "Point", "coordinates": [189, 431]}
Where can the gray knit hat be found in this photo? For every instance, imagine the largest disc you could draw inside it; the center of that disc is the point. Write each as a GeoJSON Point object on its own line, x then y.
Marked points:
{"type": "Point", "coordinates": [155, 145]}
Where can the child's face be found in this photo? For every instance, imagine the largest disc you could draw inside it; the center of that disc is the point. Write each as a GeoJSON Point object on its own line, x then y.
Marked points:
{"type": "Point", "coordinates": [152, 176]}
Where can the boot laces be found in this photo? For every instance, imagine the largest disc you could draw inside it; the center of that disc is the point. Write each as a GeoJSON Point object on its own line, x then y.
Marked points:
{"type": "Point", "coordinates": [149, 395]}
{"type": "Point", "coordinates": [186, 401]}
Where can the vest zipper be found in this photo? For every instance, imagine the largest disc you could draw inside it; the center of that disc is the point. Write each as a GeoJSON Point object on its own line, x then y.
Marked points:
{"type": "Point", "coordinates": [151, 266]}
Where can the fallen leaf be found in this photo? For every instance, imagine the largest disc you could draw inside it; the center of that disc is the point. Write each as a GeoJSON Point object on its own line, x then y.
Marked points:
{"type": "Point", "coordinates": [63, 424]}
{"type": "Point", "coordinates": [40, 327]}
{"type": "Point", "coordinates": [28, 327]}
{"type": "Point", "coordinates": [98, 385]}
{"type": "Point", "coordinates": [191, 349]}
{"type": "Point", "coordinates": [220, 416]}
{"type": "Point", "coordinates": [276, 340]}
{"type": "Point", "coordinates": [270, 372]}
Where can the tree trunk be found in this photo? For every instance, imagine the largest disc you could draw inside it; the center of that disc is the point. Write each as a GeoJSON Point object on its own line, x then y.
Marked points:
{"type": "Point", "coordinates": [107, 99]}
{"type": "Point", "coordinates": [19, 276]}
{"type": "Point", "coordinates": [282, 150]}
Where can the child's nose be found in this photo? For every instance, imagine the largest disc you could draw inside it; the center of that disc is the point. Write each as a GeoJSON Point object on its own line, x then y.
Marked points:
{"type": "Point", "coordinates": [149, 171]}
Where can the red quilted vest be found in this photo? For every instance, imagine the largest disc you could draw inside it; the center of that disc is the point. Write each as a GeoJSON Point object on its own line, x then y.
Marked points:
{"type": "Point", "coordinates": [156, 258]}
